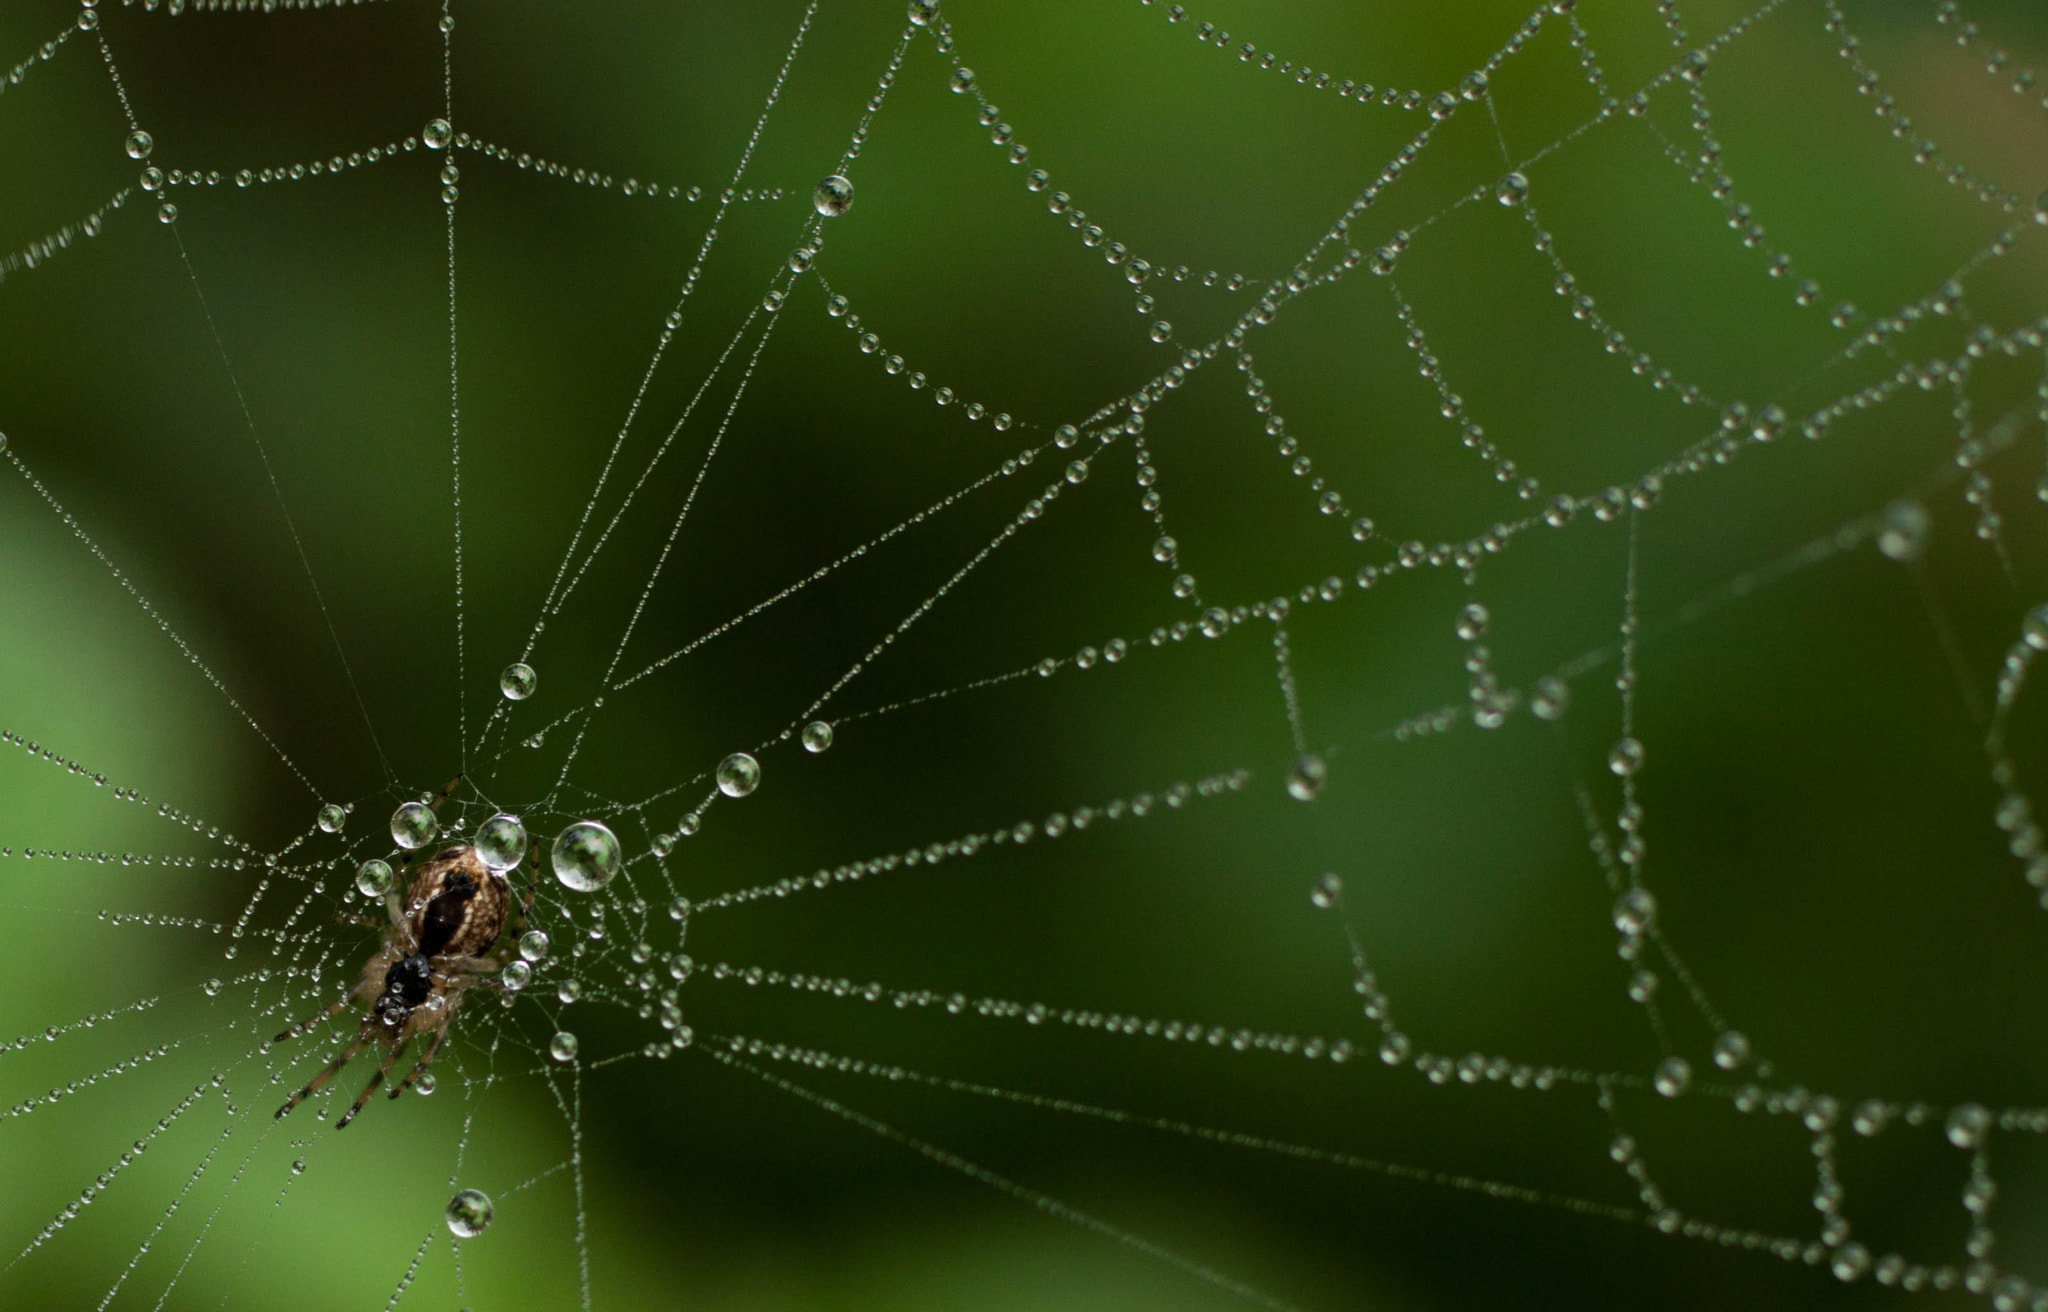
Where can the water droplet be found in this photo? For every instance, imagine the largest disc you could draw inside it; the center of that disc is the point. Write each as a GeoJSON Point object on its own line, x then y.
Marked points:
{"type": "Point", "coordinates": [924, 12]}
{"type": "Point", "coordinates": [425, 1085]}
{"type": "Point", "coordinates": [332, 818]}
{"type": "Point", "coordinates": [1904, 535]}
{"type": "Point", "coordinates": [563, 1046]}
{"type": "Point", "coordinates": [1215, 622]}
{"type": "Point", "coordinates": [413, 826]}
{"type": "Point", "coordinates": [1326, 893]}
{"type": "Point", "coordinates": [1870, 1117]}
{"type": "Point", "coordinates": [1394, 1049]}
{"type": "Point", "coordinates": [1472, 622]}
{"type": "Point", "coordinates": [963, 81]}
{"type": "Point", "coordinates": [1305, 780]}
{"type": "Point", "coordinates": [817, 736]}
{"type": "Point", "coordinates": [833, 197]}
{"type": "Point", "coordinates": [1626, 758]}
{"type": "Point", "coordinates": [738, 775]}
{"type": "Point", "coordinates": [1551, 699]}
{"type": "Point", "coordinates": [1850, 1262]}
{"type": "Point", "coordinates": [212, 988]}
{"type": "Point", "coordinates": [516, 975]}
{"type": "Point", "coordinates": [1635, 911]}
{"type": "Point", "coordinates": [679, 909]}
{"type": "Point", "coordinates": [299, 1166]}
{"type": "Point", "coordinates": [1731, 1049]}
{"type": "Point", "coordinates": [801, 259]}
{"type": "Point", "coordinates": [374, 878]}
{"type": "Point", "coordinates": [533, 944]}
{"type": "Point", "coordinates": [167, 213]}
{"type": "Point", "coordinates": [469, 1212]}
{"type": "Point", "coordinates": [140, 143]}
{"type": "Point", "coordinates": [585, 856]}
{"type": "Point", "coordinates": [2034, 628]}
{"type": "Point", "coordinates": [568, 991]}
{"type": "Point", "coordinates": [501, 842]}
{"type": "Point", "coordinates": [1162, 331]}
{"type": "Point", "coordinates": [1512, 189]}
{"type": "Point", "coordinates": [518, 681]}
{"type": "Point", "coordinates": [1674, 1076]}
{"type": "Point", "coordinates": [1967, 1124]}
{"type": "Point", "coordinates": [437, 134]}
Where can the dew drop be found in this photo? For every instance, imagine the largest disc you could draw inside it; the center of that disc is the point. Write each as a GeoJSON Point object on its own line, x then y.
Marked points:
{"type": "Point", "coordinates": [1635, 911]}
{"type": "Point", "coordinates": [563, 1046]}
{"type": "Point", "coordinates": [833, 196]}
{"type": "Point", "coordinates": [1674, 1076]}
{"type": "Point", "coordinates": [139, 144]}
{"type": "Point", "coordinates": [518, 681]}
{"type": "Point", "coordinates": [1472, 622]}
{"type": "Point", "coordinates": [516, 975]}
{"type": "Point", "coordinates": [1626, 758]}
{"type": "Point", "coordinates": [2034, 628]}
{"type": "Point", "coordinates": [817, 736]}
{"type": "Point", "coordinates": [1326, 893]}
{"type": "Point", "coordinates": [533, 944]}
{"type": "Point", "coordinates": [924, 12]}
{"type": "Point", "coordinates": [436, 136]}
{"type": "Point", "coordinates": [501, 842]}
{"type": "Point", "coordinates": [374, 878]}
{"type": "Point", "coordinates": [469, 1212]}
{"type": "Point", "coordinates": [332, 818]}
{"type": "Point", "coordinates": [1850, 1262]}
{"type": "Point", "coordinates": [413, 826]}
{"type": "Point", "coordinates": [1731, 1049]}
{"type": "Point", "coordinates": [1512, 189]}
{"type": "Point", "coordinates": [1904, 535]}
{"type": "Point", "coordinates": [1551, 699]}
{"type": "Point", "coordinates": [568, 991]}
{"type": "Point", "coordinates": [167, 213]}
{"type": "Point", "coordinates": [585, 856]}
{"type": "Point", "coordinates": [963, 81]}
{"type": "Point", "coordinates": [212, 988]}
{"type": "Point", "coordinates": [1967, 1124]}
{"type": "Point", "coordinates": [1305, 780]}
{"type": "Point", "coordinates": [299, 1166]}
{"type": "Point", "coordinates": [738, 775]}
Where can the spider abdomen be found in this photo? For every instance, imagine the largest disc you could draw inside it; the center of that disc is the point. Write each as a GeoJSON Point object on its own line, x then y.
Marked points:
{"type": "Point", "coordinates": [457, 905]}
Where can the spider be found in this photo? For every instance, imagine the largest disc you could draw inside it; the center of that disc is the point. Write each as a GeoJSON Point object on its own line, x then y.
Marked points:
{"type": "Point", "coordinates": [438, 944]}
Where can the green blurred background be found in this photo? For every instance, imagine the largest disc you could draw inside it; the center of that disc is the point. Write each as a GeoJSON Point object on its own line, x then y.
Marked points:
{"type": "Point", "coordinates": [1817, 799]}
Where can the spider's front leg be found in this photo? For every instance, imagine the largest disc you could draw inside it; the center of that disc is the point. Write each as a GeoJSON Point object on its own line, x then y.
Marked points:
{"type": "Point", "coordinates": [383, 1069]}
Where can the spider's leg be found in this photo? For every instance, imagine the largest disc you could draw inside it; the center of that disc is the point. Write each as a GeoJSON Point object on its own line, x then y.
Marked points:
{"type": "Point", "coordinates": [319, 1016]}
{"type": "Point", "coordinates": [390, 1060]}
{"type": "Point", "coordinates": [341, 1059]}
{"type": "Point", "coordinates": [433, 1048]}
{"type": "Point", "coordinates": [445, 794]}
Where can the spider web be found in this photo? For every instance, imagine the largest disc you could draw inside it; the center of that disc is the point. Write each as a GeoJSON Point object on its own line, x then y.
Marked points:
{"type": "Point", "coordinates": [1478, 745]}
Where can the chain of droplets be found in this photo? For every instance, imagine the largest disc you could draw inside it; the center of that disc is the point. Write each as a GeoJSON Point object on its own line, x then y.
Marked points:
{"type": "Point", "coordinates": [2014, 813]}
{"type": "Point", "coordinates": [1926, 151]}
{"type": "Point", "coordinates": [122, 1067]}
{"type": "Point", "coordinates": [55, 1032]}
{"type": "Point", "coordinates": [176, 7]}
{"type": "Point", "coordinates": [1209, 34]}
{"type": "Point", "coordinates": [1058, 823]}
{"type": "Point", "coordinates": [603, 181]}
{"type": "Point", "coordinates": [46, 52]}
{"type": "Point", "coordinates": [1328, 499]}
{"type": "Point", "coordinates": [1998, 63]}
{"type": "Point", "coordinates": [1452, 406]}
{"type": "Point", "coordinates": [44, 249]}
{"type": "Point", "coordinates": [838, 307]}
{"type": "Point", "coordinates": [70, 521]}
{"type": "Point", "coordinates": [214, 832]}
{"type": "Point", "coordinates": [1136, 269]}
{"type": "Point", "coordinates": [70, 1211]}
{"type": "Point", "coordinates": [154, 179]}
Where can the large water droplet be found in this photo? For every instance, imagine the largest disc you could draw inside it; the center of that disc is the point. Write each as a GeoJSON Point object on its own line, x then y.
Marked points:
{"type": "Point", "coordinates": [501, 842]}
{"type": "Point", "coordinates": [586, 856]}
{"type": "Point", "coordinates": [374, 878]}
{"type": "Point", "coordinates": [140, 143]}
{"type": "Point", "coordinates": [738, 775]}
{"type": "Point", "coordinates": [516, 975]}
{"type": "Point", "coordinates": [1967, 1124]}
{"type": "Point", "coordinates": [413, 826]}
{"type": "Point", "coordinates": [437, 134]}
{"type": "Point", "coordinates": [817, 736]}
{"type": "Point", "coordinates": [1512, 189]}
{"type": "Point", "coordinates": [1305, 780]}
{"type": "Point", "coordinates": [469, 1213]}
{"type": "Point", "coordinates": [833, 197]}
{"type": "Point", "coordinates": [563, 1046]}
{"type": "Point", "coordinates": [1674, 1076]}
{"type": "Point", "coordinates": [924, 12]}
{"type": "Point", "coordinates": [1904, 535]}
{"type": "Point", "coordinates": [518, 681]}
{"type": "Point", "coordinates": [533, 944]}
{"type": "Point", "coordinates": [332, 818]}
{"type": "Point", "coordinates": [1635, 911]}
